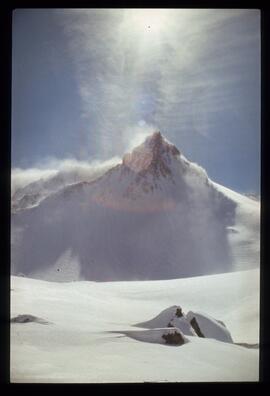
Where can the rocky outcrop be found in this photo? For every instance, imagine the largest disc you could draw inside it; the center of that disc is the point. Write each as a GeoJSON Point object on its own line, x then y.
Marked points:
{"type": "Point", "coordinates": [175, 338]}
{"type": "Point", "coordinates": [191, 324]}
{"type": "Point", "coordinates": [196, 327]}
{"type": "Point", "coordinates": [26, 318]}
{"type": "Point", "coordinates": [170, 317]}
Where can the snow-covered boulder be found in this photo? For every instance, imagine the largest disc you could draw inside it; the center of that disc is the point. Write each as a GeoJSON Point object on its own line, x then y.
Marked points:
{"type": "Point", "coordinates": [208, 327]}
{"type": "Point", "coordinates": [170, 317]}
{"type": "Point", "coordinates": [170, 336]}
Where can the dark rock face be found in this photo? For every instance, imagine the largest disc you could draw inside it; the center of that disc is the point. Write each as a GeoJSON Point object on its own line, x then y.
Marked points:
{"type": "Point", "coordinates": [26, 318]}
{"type": "Point", "coordinates": [174, 338]}
{"type": "Point", "coordinates": [178, 312]}
{"type": "Point", "coordinates": [196, 327]}
{"type": "Point", "coordinates": [246, 345]}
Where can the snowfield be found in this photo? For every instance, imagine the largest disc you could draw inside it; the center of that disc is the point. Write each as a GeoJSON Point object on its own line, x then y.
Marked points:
{"type": "Point", "coordinates": [90, 334]}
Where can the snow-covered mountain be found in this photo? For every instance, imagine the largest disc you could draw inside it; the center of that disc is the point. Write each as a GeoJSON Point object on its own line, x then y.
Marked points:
{"type": "Point", "coordinates": [32, 193]}
{"type": "Point", "coordinates": [154, 216]}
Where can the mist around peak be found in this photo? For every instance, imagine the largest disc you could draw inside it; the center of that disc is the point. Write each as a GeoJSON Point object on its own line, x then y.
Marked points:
{"type": "Point", "coordinates": [156, 215]}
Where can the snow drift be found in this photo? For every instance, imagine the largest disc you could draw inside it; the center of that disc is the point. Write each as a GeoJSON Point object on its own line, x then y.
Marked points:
{"type": "Point", "coordinates": [80, 347]}
{"type": "Point", "coordinates": [209, 327]}
{"type": "Point", "coordinates": [191, 324]}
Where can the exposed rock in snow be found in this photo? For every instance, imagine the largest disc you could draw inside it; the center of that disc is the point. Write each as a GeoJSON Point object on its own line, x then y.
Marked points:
{"type": "Point", "coordinates": [192, 324]}
{"type": "Point", "coordinates": [174, 338]}
{"type": "Point", "coordinates": [170, 336]}
{"type": "Point", "coordinates": [208, 327]}
{"type": "Point", "coordinates": [248, 345]}
{"type": "Point", "coordinates": [26, 318]}
{"type": "Point", "coordinates": [196, 327]}
{"type": "Point", "coordinates": [154, 156]}
{"type": "Point", "coordinates": [170, 317]}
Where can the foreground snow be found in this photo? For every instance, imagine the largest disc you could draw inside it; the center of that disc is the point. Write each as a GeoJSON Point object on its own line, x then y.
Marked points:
{"type": "Point", "coordinates": [83, 341]}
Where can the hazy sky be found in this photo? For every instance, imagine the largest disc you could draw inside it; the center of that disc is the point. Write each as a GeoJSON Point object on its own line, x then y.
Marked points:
{"type": "Point", "coordinates": [90, 84]}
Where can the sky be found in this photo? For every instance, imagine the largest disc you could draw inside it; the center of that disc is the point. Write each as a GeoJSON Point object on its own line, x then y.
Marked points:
{"type": "Point", "coordinates": [90, 84]}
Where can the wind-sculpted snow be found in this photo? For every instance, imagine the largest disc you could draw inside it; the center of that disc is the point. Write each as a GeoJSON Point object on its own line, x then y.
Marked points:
{"type": "Point", "coordinates": [170, 317]}
{"type": "Point", "coordinates": [155, 216]}
{"type": "Point", "coordinates": [86, 342]}
{"type": "Point", "coordinates": [190, 324]}
{"type": "Point", "coordinates": [210, 327]}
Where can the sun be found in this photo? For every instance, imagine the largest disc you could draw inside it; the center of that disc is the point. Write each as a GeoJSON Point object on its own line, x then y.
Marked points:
{"type": "Point", "coordinates": [150, 21]}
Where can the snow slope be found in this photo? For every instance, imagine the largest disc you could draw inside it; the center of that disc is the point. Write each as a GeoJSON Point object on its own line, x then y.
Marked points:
{"type": "Point", "coordinates": [244, 235]}
{"type": "Point", "coordinates": [154, 216]}
{"type": "Point", "coordinates": [80, 343]}
{"type": "Point", "coordinates": [29, 194]}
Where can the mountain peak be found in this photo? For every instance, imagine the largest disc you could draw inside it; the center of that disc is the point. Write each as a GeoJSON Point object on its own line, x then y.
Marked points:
{"type": "Point", "coordinates": [157, 140]}
{"type": "Point", "coordinates": [154, 154]}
